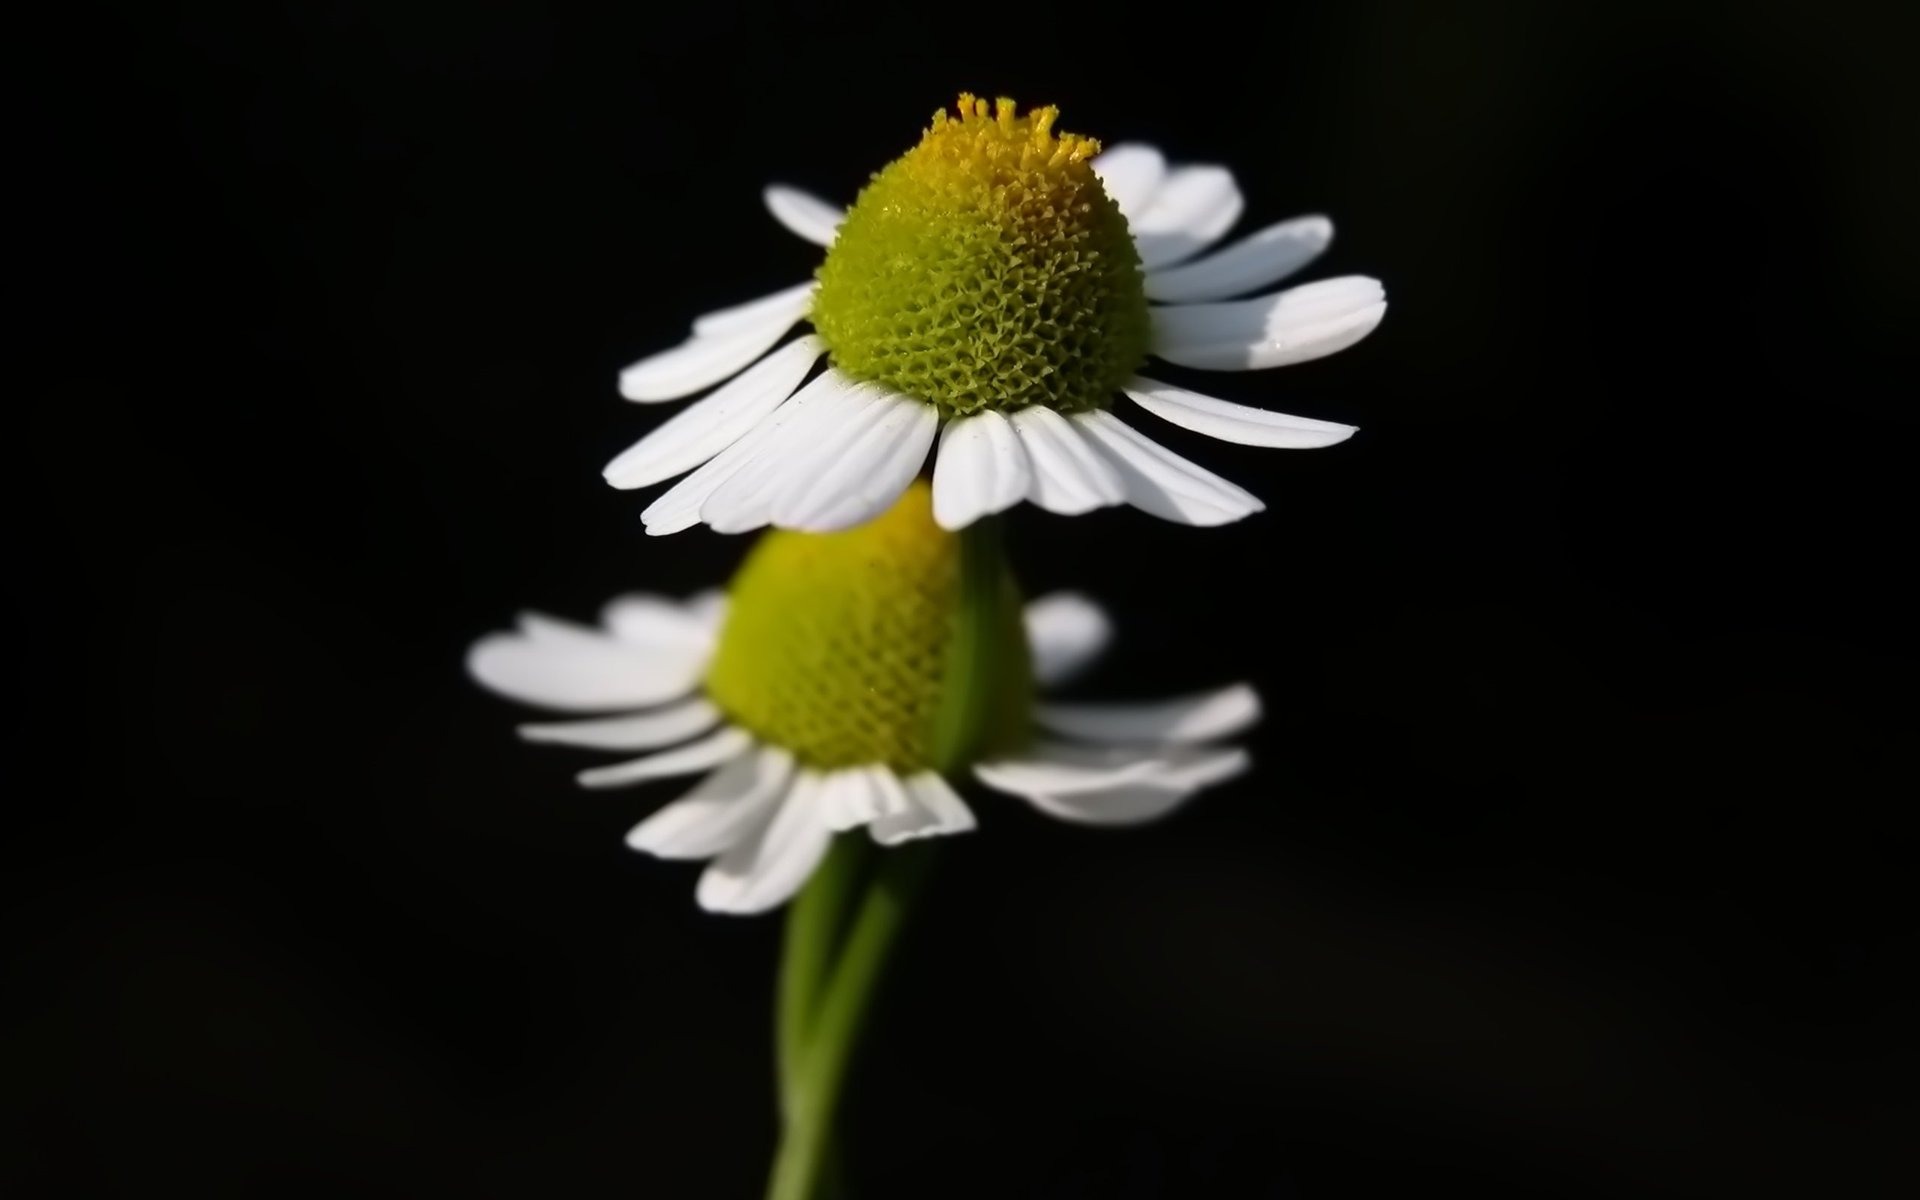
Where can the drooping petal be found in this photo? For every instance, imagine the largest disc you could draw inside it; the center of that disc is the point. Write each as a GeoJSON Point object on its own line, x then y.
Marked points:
{"type": "Point", "coordinates": [1176, 776]}
{"type": "Point", "coordinates": [1065, 633]}
{"type": "Point", "coordinates": [981, 469]}
{"type": "Point", "coordinates": [679, 507]}
{"type": "Point", "coordinates": [1129, 804]}
{"type": "Point", "coordinates": [1190, 211]}
{"type": "Point", "coordinates": [708, 752]}
{"type": "Point", "coordinates": [558, 665]}
{"type": "Point", "coordinates": [709, 608]}
{"type": "Point", "coordinates": [850, 488]}
{"type": "Point", "coordinates": [720, 810]}
{"type": "Point", "coordinates": [830, 411]}
{"type": "Point", "coordinates": [647, 619]}
{"type": "Point", "coordinates": [546, 630]}
{"type": "Point", "coordinates": [711, 424]}
{"type": "Point", "coordinates": [1258, 260]}
{"type": "Point", "coordinates": [740, 315]}
{"type": "Point", "coordinates": [706, 358]}
{"type": "Point", "coordinates": [764, 871]}
{"type": "Point", "coordinates": [1068, 475]}
{"type": "Point", "coordinates": [1160, 482]}
{"type": "Point", "coordinates": [642, 731]}
{"type": "Point", "coordinates": [848, 798]}
{"type": "Point", "coordinates": [804, 213]}
{"type": "Point", "coordinates": [891, 798]}
{"type": "Point", "coordinates": [1295, 325]}
{"type": "Point", "coordinates": [1132, 173]}
{"type": "Point", "coordinates": [1232, 422]}
{"type": "Point", "coordinates": [1180, 721]}
{"type": "Point", "coordinates": [1180, 766]}
{"type": "Point", "coordinates": [935, 810]}
{"type": "Point", "coordinates": [1054, 769]}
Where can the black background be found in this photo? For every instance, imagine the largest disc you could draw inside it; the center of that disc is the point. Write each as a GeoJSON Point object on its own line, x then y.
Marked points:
{"type": "Point", "coordinates": [1571, 865]}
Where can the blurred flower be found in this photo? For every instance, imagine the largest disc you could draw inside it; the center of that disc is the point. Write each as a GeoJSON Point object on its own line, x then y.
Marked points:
{"type": "Point", "coordinates": [811, 698]}
{"type": "Point", "coordinates": [993, 285]}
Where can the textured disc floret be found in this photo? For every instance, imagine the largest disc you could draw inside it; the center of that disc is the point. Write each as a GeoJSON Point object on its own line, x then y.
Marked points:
{"type": "Point", "coordinates": [987, 269]}
{"type": "Point", "coordinates": [836, 646]}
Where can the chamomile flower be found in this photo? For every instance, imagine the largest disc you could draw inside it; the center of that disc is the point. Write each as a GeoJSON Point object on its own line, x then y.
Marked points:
{"type": "Point", "coordinates": [815, 699]}
{"type": "Point", "coordinates": [996, 287]}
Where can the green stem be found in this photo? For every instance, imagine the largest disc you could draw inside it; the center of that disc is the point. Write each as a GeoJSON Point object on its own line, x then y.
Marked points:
{"type": "Point", "coordinates": [815, 923]}
{"type": "Point", "coordinates": [968, 682]}
{"type": "Point", "coordinates": [822, 1006]}
{"type": "Point", "coordinates": [812, 1102]}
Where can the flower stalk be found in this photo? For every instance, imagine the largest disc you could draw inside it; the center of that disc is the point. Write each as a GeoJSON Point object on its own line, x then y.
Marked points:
{"type": "Point", "coordinates": [831, 963]}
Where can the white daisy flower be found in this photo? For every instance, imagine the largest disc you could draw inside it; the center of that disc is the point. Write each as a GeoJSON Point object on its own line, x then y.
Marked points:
{"type": "Point", "coordinates": [997, 286]}
{"type": "Point", "coordinates": [811, 698]}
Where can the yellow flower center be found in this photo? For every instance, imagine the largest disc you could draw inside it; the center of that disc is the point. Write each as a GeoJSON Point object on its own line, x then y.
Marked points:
{"type": "Point", "coordinates": [837, 646]}
{"type": "Point", "coordinates": [987, 269]}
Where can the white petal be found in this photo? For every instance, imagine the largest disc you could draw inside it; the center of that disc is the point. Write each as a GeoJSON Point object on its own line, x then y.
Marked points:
{"type": "Point", "coordinates": [1200, 768]}
{"type": "Point", "coordinates": [1179, 721]}
{"type": "Point", "coordinates": [546, 630]}
{"type": "Point", "coordinates": [646, 619]}
{"type": "Point", "coordinates": [891, 794]}
{"type": "Point", "coordinates": [709, 751]}
{"type": "Point", "coordinates": [848, 798]}
{"type": "Point", "coordinates": [828, 413]}
{"type": "Point", "coordinates": [1301, 323]}
{"type": "Point", "coordinates": [1132, 173]}
{"type": "Point", "coordinates": [709, 608]}
{"type": "Point", "coordinates": [723, 808]}
{"type": "Point", "coordinates": [852, 487]}
{"type": "Point", "coordinates": [643, 731]}
{"type": "Point", "coordinates": [1065, 633]}
{"type": "Point", "coordinates": [1192, 209]}
{"type": "Point", "coordinates": [708, 426]}
{"type": "Point", "coordinates": [1171, 765]}
{"type": "Point", "coordinates": [981, 469]}
{"type": "Point", "coordinates": [804, 213]}
{"type": "Point", "coordinates": [1135, 800]}
{"type": "Point", "coordinates": [1255, 261]}
{"type": "Point", "coordinates": [706, 358]}
{"type": "Point", "coordinates": [1232, 422]}
{"type": "Point", "coordinates": [1132, 804]}
{"type": "Point", "coordinates": [680, 505]}
{"type": "Point", "coordinates": [1161, 482]}
{"type": "Point", "coordinates": [738, 316]}
{"type": "Point", "coordinates": [1069, 476]}
{"type": "Point", "coordinates": [764, 871]}
{"type": "Point", "coordinates": [935, 810]}
{"type": "Point", "coordinates": [1055, 770]}
{"type": "Point", "coordinates": [575, 669]}
{"type": "Point", "coordinates": [934, 794]}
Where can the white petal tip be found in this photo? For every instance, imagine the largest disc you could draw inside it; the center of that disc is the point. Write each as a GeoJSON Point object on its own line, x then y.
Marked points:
{"type": "Point", "coordinates": [731, 899]}
{"type": "Point", "coordinates": [954, 522]}
{"type": "Point", "coordinates": [1213, 518]}
{"type": "Point", "coordinates": [643, 387]}
{"type": "Point", "coordinates": [891, 838]}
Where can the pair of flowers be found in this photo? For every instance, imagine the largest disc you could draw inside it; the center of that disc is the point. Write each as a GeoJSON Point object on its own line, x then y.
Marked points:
{"type": "Point", "coordinates": [997, 288]}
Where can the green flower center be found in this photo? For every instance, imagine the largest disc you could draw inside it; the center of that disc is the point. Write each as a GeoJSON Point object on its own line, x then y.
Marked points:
{"type": "Point", "coordinates": [837, 646]}
{"type": "Point", "coordinates": [987, 268]}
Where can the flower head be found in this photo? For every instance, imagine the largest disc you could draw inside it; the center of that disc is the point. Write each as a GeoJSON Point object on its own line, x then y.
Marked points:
{"type": "Point", "coordinates": [813, 700]}
{"type": "Point", "coordinates": [998, 286]}
{"type": "Point", "coordinates": [986, 270]}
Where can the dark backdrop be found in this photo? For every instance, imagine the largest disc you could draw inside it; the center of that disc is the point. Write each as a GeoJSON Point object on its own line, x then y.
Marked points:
{"type": "Point", "coordinates": [1570, 867]}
